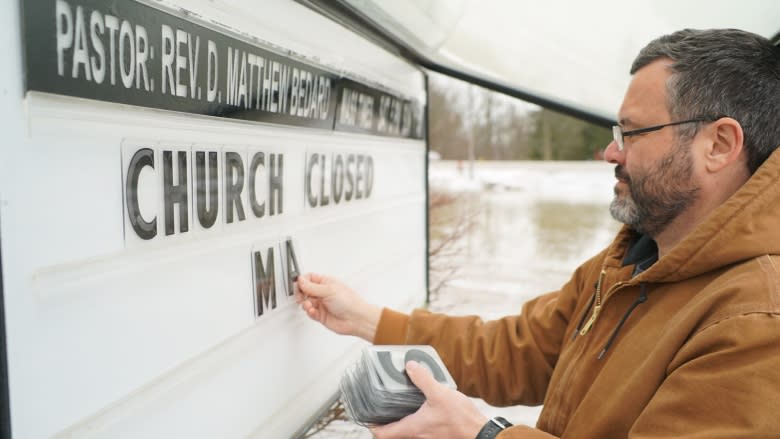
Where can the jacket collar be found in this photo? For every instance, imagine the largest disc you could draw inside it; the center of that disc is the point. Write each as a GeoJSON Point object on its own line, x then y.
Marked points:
{"type": "Point", "coordinates": [742, 228]}
{"type": "Point", "coordinates": [642, 254]}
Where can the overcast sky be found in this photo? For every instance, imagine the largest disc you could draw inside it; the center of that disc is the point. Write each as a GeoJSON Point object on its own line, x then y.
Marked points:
{"type": "Point", "coordinates": [577, 51]}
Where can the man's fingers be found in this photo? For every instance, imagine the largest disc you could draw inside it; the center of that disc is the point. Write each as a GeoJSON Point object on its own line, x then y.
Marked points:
{"type": "Point", "coordinates": [318, 278]}
{"type": "Point", "coordinates": [422, 378]}
{"type": "Point", "coordinates": [310, 288]}
{"type": "Point", "coordinates": [309, 303]}
{"type": "Point", "coordinates": [311, 310]}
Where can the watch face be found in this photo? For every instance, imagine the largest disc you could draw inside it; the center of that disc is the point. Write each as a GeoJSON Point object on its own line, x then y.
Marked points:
{"type": "Point", "coordinates": [501, 422]}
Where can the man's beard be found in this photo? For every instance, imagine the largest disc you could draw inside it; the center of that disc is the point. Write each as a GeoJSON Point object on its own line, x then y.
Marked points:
{"type": "Point", "coordinates": [656, 196]}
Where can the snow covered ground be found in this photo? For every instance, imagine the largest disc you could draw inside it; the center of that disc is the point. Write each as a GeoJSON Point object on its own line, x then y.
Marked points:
{"type": "Point", "coordinates": [533, 223]}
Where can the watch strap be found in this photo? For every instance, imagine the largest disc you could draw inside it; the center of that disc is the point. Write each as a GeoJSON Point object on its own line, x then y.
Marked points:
{"type": "Point", "coordinates": [492, 427]}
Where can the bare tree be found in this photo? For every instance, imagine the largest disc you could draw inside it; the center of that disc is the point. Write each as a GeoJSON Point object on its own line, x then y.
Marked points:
{"type": "Point", "coordinates": [449, 222]}
{"type": "Point", "coordinates": [446, 125]}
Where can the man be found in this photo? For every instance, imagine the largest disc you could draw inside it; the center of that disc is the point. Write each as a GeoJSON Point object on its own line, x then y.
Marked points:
{"type": "Point", "coordinates": [673, 331]}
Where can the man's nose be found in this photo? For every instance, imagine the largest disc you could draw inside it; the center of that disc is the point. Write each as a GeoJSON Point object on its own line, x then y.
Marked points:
{"type": "Point", "coordinates": [613, 155]}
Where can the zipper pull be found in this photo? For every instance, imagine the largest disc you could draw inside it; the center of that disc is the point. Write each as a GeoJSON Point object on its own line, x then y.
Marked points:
{"type": "Point", "coordinates": [591, 321]}
{"type": "Point", "coordinates": [597, 307]}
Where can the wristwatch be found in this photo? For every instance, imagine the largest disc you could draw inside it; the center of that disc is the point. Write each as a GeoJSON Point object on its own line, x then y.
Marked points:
{"type": "Point", "coordinates": [492, 427]}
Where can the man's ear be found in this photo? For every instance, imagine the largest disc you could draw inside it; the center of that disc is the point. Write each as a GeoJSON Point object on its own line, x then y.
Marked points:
{"type": "Point", "coordinates": [726, 145]}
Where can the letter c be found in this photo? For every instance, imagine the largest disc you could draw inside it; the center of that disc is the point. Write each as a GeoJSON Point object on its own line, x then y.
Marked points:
{"type": "Point", "coordinates": [144, 229]}
{"type": "Point", "coordinates": [310, 197]}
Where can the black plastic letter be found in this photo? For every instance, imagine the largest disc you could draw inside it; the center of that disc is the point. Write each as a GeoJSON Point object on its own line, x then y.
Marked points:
{"type": "Point", "coordinates": [293, 271]}
{"type": "Point", "coordinates": [233, 186]}
{"type": "Point", "coordinates": [313, 159]}
{"type": "Point", "coordinates": [265, 282]}
{"type": "Point", "coordinates": [350, 178]}
{"type": "Point", "coordinates": [144, 229]}
{"type": "Point", "coordinates": [324, 199]}
{"type": "Point", "coordinates": [275, 179]}
{"type": "Point", "coordinates": [175, 194]}
{"type": "Point", "coordinates": [337, 178]}
{"type": "Point", "coordinates": [385, 359]}
{"type": "Point", "coordinates": [257, 160]}
{"type": "Point", "coordinates": [369, 175]}
{"type": "Point", "coordinates": [207, 215]}
{"type": "Point", "coordinates": [359, 176]}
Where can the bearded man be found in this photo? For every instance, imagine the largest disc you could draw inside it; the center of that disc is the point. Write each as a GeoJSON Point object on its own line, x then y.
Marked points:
{"type": "Point", "coordinates": [673, 331]}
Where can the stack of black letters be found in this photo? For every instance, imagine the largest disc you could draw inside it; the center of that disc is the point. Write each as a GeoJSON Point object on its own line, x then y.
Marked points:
{"type": "Point", "coordinates": [376, 389]}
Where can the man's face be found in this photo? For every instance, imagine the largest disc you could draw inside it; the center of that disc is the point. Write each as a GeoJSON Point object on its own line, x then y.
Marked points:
{"type": "Point", "coordinates": [654, 170]}
{"type": "Point", "coordinates": [653, 196]}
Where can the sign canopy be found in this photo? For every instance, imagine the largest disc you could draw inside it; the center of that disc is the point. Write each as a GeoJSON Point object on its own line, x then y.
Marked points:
{"type": "Point", "coordinates": [559, 53]}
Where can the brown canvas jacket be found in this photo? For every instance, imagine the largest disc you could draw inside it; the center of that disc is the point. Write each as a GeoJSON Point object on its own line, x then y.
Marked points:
{"type": "Point", "coordinates": [698, 356]}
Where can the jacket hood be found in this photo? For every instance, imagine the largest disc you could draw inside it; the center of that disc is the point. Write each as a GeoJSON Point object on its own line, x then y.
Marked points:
{"type": "Point", "coordinates": [747, 225]}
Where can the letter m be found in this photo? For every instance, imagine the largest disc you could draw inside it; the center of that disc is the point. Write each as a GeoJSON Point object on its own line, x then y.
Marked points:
{"type": "Point", "coordinates": [233, 68]}
{"type": "Point", "coordinates": [265, 281]}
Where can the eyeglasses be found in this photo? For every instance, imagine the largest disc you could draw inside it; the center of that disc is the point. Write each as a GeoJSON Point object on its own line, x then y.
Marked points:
{"type": "Point", "coordinates": [618, 134]}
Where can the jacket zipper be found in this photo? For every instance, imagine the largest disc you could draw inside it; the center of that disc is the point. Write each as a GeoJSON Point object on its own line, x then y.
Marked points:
{"type": "Point", "coordinates": [595, 302]}
{"type": "Point", "coordinates": [597, 308]}
{"type": "Point", "coordinates": [596, 305]}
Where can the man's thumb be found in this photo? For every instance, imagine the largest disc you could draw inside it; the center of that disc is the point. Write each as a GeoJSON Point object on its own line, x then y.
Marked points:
{"type": "Point", "coordinates": [310, 288]}
{"type": "Point", "coordinates": [395, 429]}
{"type": "Point", "coordinates": [422, 378]}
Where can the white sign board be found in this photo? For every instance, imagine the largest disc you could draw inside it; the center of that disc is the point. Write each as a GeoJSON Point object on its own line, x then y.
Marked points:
{"type": "Point", "coordinates": [165, 174]}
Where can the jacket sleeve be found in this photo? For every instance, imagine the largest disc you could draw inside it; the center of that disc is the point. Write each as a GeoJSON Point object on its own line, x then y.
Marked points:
{"type": "Point", "coordinates": [505, 362]}
{"type": "Point", "coordinates": [524, 432]}
{"type": "Point", "coordinates": [724, 383]}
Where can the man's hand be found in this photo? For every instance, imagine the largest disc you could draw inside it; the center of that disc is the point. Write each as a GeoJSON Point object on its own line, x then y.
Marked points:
{"type": "Point", "coordinates": [336, 306]}
{"type": "Point", "coordinates": [446, 413]}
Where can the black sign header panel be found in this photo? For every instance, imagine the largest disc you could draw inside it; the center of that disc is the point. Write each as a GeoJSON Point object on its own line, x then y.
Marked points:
{"type": "Point", "coordinates": [127, 52]}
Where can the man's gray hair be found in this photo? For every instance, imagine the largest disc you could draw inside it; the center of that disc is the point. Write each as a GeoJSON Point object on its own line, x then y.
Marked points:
{"type": "Point", "coordinates": [723, 72]}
